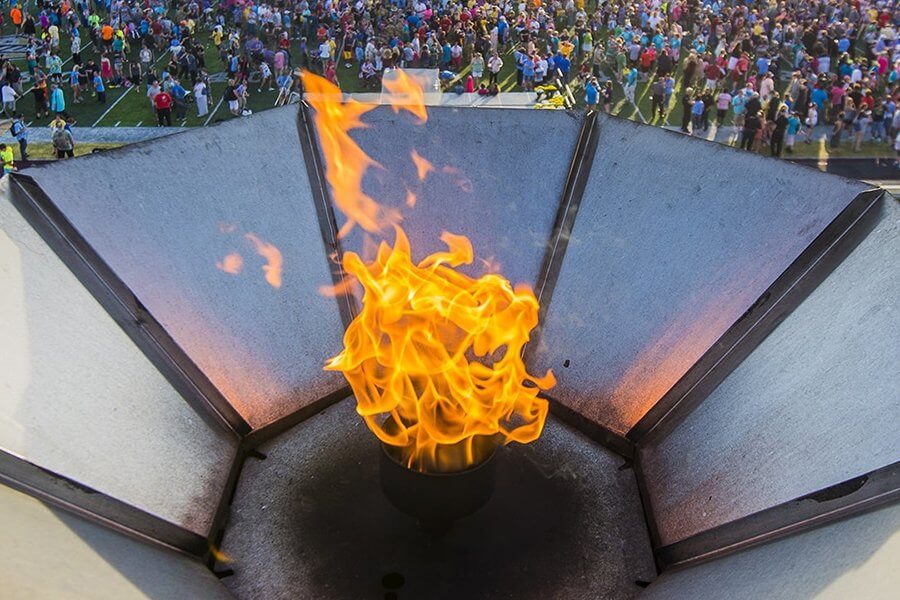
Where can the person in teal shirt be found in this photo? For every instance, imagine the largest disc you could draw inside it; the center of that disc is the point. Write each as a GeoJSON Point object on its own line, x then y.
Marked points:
{"type": "Point", "coordinates": [793, 126]}
{"type": "Point", "coordinates": [57, 99]}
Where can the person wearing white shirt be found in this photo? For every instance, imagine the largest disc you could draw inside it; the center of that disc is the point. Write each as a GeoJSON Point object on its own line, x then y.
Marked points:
{"type": "Point", "coordinates": [324, 53]}
{"type": "Point", "coordinates": [9, 96]}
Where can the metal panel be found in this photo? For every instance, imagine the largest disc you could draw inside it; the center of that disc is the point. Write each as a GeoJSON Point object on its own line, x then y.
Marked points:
{"type": "Point", "coordinates": [498, 178]}
{"type": "Point", "coordinates": [675, 240]}
{"type": "Point", "coordinates": [835, 502]}
{"type": "Point", "coordinates": [78, 398]}
{"type": "Point", "coordinates": [142, 328]}
{"type": "Point", "coordinates": [181, 205]}
{"type": "Point", "coordinates": [813, 265]}
{"type": "Point", "coordinates": [814, 405]}
{"type": "Point", "coordinates": [46, 554]}
{"type": "Point", "coordinates": [856, 558]}
{"type": "Point", "coordinates": [564, 522]}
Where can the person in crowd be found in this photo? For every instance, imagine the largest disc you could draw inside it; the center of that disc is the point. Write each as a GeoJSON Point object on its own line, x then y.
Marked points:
{"type": "Point", "coordinates": [801, 53]}
{"type": "Point", "coordinates": [163, 103]}
{"type": "Point", "coordinates": [8, 159]}
{"type": "Point", "coordinates": [19, 130]}
{"type": "Point", "coordinates": [62, 139]}
{"type": "Point", "coordinates": [201, 98]}
{"type": "Point", "coordinates": [9, 96]}
{"type": "Point", "coordinates": [592, 94]}
{"type": "Point", "coordinates": [752, 126]}
{"type": "Point", "coordinates": [779, 129]}
{"type": "Point", "coordinates": [57, 99]}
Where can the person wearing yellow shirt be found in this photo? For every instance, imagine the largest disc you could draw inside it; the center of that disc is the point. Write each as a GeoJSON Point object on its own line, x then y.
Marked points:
{"type": "Point", "coordinates": [6, 155]}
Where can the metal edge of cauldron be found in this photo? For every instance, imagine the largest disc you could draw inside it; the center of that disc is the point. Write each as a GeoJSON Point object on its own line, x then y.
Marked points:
{"type": "Point", "coordinates": [437, 498]}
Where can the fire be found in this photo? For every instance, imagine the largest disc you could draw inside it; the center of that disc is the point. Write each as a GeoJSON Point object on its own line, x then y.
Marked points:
{"type": "Point", "coordinates": [434, 357]}
{"type": "Point", "coordinates": [231, 264]}
{"type": "Point", "coordinates": [423, 166]}
{"type": "Point", "coordinates": [272, 268]}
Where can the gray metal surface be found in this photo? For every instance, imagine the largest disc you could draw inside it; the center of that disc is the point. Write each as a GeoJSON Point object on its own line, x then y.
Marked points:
{"type": "Point", "coordinates": [498, 178]}
{"type": "Point", "coordinates": [815, 404]}
{"type": "Point", "coordinates": [78, 398]}
{"type": "Point", "coordinates": [310, 521]}
{"type": "Point", "coordinates": [179, 206]}
{"type": "Point", "coordinates": [47, 554]}
{"type": "Point", "coordinates": [856, 559]}
{"type": "Point", "coordinates": [675, 239]}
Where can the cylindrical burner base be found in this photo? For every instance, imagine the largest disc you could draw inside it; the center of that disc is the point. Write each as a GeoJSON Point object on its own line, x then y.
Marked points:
{"type": "Point", "coordinates": [436, 499]}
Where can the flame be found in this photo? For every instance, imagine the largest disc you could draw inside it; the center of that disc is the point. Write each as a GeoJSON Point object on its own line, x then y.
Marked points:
{"type": "Point", "coordinates": [434, 357]}
{"type": "Point", "coordinates": [410, 199]}
{"type": "Point", "coordinates": [423, 166]}
{"type": "Point", "coordinates": [405, 94]}
{"type": "Point", "coordinates": [231, 264]}
{"type": "Point", "coordinates": [272, 268]}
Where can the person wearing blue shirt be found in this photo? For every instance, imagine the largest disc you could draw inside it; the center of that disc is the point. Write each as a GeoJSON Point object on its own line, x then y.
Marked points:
{"type": "Point", "coordinates": [762, 65]}
{"type": "Point", "coordinates": [793, 127]}
{"type": "Point", "coordinates": [632, 77]}
{"type": "Point", "coordinates": [659, 41]}
{"type": "Point", "coordinates": [591, 94]}
{"type": "Point", "coordinates": [697, 116]}
{"type": "Point", "coordinates": [563, 64]}
{"type": "Point", "coordinates": [100, 89]}
{"type": "Point", "coordinates": [179, 94]}
{"type": "Point", "coordinates": [527, 72]}
{"type": "Point", "coordinates": [819, 96]}
{"type": "Point", "coordinates": [843, 44]}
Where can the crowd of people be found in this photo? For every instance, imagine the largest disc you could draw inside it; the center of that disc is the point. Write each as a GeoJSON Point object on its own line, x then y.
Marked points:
{"type": "Point", "coordinates": [775, 70]}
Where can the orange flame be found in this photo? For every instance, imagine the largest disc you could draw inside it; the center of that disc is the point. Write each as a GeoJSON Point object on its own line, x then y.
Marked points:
{"type": "Point", "coordinates": [231, 264]}
{"type": "Point", "coordinates": [423, 166]}
{"type": "Point", "coordinates": [272, 268]}
{"type": "Point", "coordinates": [435, 356]}
{"type": "Point", "coordinates": [406, 94]}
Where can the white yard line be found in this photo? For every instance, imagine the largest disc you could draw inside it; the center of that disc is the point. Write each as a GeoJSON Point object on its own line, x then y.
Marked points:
{"type": "Point", "coordinates": [113, 105]}
{"type": "Point", "coordinates": [117, 123]}
{"type": "Point", "coordinates": [138, 123]}
{"type": "Point", "coordinates": [125, 93]}
{"type": "Point", "coordinates": [213, 112]}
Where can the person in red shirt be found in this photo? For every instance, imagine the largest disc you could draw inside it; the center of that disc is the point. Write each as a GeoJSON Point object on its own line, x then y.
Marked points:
{"type": "Point", "coordinates": [647, 58]}
{"type": "Point", "coordinates": [163, 103]}
{"type": "Point", "coordinates": [712, 74]}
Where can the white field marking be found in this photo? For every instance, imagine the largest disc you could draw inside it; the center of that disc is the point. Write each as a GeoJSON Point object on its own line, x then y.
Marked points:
{"type": "Point", "coordinates": [117, 123]}
{"type": "Point", "coordinates": [213, 112]}
{"type": "Point", "coordinates": [125, 93]}
{"type": "Point", "coordinates": [113, 105]}
{"type": "Point", "coordinates": [138, 123]}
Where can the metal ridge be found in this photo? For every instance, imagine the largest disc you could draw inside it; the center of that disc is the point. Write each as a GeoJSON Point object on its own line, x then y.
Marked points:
{"type": "Point", "coordinates": [840, 501]}
{"type": "Point", "coordinates": [98, 507]}
{"type": "Point", "coordinates": [786, 293]}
